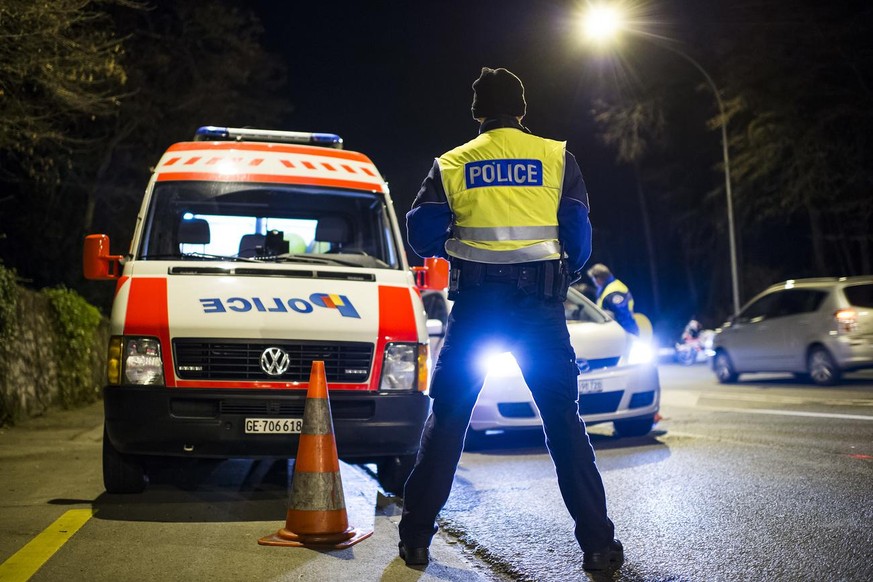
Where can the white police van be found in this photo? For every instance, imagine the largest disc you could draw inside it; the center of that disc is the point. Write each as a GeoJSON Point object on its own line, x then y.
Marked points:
{"type": "Point", "coordinates": [255, 253]}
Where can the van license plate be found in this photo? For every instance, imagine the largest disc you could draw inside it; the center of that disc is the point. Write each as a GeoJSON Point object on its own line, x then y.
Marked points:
{"type": "Point", "coordinates": [590, 386]}
{"type": "Point", "coordinates": [274, 425]}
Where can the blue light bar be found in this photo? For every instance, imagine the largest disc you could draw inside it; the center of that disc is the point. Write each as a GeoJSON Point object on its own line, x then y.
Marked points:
{"type": "Point", "coordinates": [213, 133]}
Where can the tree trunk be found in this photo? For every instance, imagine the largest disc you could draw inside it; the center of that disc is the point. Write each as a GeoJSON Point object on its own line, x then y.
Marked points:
{"type": "Point", "coordinates": [818, 250]}
{"type": "Point", "coordinates": [650, 243]}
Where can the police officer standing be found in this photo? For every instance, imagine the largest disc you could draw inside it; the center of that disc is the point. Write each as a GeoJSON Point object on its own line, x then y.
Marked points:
{"type": "Point", "coordinates": [510, 211]}
{"type": "Point", "coordinates": [615, 297]}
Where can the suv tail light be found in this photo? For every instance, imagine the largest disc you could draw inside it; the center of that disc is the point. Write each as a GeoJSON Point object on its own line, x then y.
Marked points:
{"type": "Point", "coordinates": [847, 320]}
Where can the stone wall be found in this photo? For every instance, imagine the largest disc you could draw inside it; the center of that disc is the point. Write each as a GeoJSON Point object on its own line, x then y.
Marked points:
{"type": "Point", "coordinates": [31, 383]}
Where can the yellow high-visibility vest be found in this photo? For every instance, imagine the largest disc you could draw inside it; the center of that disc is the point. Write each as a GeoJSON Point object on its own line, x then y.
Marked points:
{"type": "Point", "coordinates": [615, 286]}
{"type": "Point", "coordinates": [504, 188]}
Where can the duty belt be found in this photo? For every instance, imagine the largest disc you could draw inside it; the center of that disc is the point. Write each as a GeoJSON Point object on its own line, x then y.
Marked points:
{"type": "Point", "coordinates": [546, 279]}
{"type": "Point", "coordinates": [497, 273]}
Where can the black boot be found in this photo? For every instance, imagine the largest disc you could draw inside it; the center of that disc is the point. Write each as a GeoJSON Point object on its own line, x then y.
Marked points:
{"type": "Point", "coordinates": [608, 558]}
{"type": "Point", "coordinates": [414, 556]}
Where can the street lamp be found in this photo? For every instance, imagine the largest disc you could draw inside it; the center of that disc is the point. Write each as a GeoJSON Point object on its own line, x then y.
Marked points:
{"type": "Point", "coordinates": [602, 23]}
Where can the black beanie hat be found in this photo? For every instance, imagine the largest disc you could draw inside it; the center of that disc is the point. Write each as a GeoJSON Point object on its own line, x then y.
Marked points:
{"type": "Point", "coordinates": [498, 92]}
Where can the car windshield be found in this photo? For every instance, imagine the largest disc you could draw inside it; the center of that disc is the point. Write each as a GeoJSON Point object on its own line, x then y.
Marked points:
{"type": "Point", "coordinates": [578, 309]}
{"type": "Point", "coordinates": [203, 221]}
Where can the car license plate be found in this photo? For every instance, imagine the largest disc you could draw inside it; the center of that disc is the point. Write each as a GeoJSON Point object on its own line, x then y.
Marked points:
{"type": "Point", "coordinates": [590, 386]}
{"type": "Point", "coordinates": [274, 425]}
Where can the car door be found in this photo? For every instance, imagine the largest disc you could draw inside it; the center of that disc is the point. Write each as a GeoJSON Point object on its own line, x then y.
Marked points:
{"type": "Point", "coordinates": [750, 338]}
{"type": "Point", "coordinates": [798, 324]}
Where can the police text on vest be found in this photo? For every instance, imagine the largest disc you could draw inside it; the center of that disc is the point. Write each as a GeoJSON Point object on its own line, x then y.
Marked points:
{"type": "Point", "coordinates": [492, 173]}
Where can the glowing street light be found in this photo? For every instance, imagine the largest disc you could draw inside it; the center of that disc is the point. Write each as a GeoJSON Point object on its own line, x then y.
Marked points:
{"type": "Point", "coordinates": [601, 24]}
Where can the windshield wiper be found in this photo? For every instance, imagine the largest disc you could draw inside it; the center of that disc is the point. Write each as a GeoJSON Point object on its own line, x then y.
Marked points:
{"type": "Point", "coordinates": [298, 258]}
{"type": "Point", "coordinates": [198, 256]}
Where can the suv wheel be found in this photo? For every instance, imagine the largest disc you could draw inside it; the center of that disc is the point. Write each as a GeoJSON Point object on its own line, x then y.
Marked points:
{"type": "Point", "coordinates": [823, 370]}
{"type": "Point", "coordinates": [724, 368]}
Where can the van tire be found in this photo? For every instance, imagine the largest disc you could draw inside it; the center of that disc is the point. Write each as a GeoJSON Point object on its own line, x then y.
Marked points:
{"type": "Point", "coordinates": [121, 473]}
{"type": "Point", "coordinates": [392, 473]}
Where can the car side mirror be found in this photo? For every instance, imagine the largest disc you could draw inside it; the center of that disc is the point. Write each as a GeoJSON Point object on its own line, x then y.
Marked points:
{"type": "Point", "coordinates": [435, 328]}
{"type": "Point", "coordinates": [97, 263]}
{"type": "Point", "coordinates": [434, 275]}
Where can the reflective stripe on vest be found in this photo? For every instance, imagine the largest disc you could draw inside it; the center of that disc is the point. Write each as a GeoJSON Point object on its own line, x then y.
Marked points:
{"type": "Point", "coordinates": [504, 188]}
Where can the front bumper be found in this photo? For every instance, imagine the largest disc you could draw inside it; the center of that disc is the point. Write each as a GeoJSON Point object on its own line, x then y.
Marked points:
{"type": "Point", "coordinates": [606, 395]}
{"type": "Point", "coordinates": [144, 420]}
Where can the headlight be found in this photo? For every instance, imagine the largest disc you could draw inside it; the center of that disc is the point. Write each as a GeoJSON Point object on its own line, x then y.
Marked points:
{"type": "Point", "coordinates": [500, 365]}
{"type": "Point", "coordinates": [640, 352]}
{"type": "Point", "coordinates": [404, 367]}
{"type": "Point", "coordinates": [135, 360]}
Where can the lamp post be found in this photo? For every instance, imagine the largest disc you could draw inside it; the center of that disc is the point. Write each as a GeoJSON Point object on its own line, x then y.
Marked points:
{"type": "Point", "coordinates": [603, 23]}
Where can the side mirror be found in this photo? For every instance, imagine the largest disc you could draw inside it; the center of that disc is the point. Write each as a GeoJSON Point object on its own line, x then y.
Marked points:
{"type": "Point", "coordinates": [433, 275]}
{"type": "Point", "coordinates": [435, 328]}
{"type": "Point", "coordinates": [97, 263]}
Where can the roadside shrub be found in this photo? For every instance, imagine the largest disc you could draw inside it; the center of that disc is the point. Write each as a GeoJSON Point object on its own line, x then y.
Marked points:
{"type": "Point", "coordinates": [77, 322]}
{"type": "Point", "coordinates": [8, 304]}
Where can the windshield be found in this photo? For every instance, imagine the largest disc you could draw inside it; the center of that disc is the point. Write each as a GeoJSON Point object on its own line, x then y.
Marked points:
{"type": "Point", "coordinates": [205, 221]}
{"type": "Point", "coordinates": [578, 308]}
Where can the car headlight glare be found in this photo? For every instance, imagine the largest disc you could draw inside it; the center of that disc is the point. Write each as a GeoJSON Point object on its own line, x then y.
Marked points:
{"type": "Point", "coordinates": [400, 368]}
{"type": "Point", "coordinates": [141, 361]}
{"type": "Point", "coordinates": [640, 352]}
{"type": "Point", "coordinates": [500, 365]}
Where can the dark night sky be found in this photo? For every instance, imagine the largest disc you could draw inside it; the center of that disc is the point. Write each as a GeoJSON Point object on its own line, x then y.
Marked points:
{"type": "Point", "coordinates": [394, 80]}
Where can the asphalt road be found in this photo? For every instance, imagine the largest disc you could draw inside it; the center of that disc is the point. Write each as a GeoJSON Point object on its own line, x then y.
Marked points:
{"type": "Point", "coordinates": [766, 480]}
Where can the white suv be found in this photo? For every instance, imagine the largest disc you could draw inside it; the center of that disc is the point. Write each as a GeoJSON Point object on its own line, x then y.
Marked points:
{"type": "Point", "coordinates": [815, 328]}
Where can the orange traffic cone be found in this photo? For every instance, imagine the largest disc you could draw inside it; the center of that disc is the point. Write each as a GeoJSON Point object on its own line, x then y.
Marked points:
{"type": "Point", "coordinates": [316, 508]}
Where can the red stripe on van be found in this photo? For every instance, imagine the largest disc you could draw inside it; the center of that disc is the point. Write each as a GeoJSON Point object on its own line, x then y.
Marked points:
{"type": "Point", "coordinates": [271, 178]}
{"type": "Point", "coordinates": [396, 324]}
{"type": "Point", "coordinates": [148, 315]}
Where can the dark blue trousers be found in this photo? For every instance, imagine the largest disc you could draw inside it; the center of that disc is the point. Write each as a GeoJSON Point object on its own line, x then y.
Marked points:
{"type": "Point", "coordinates": [535, 331]}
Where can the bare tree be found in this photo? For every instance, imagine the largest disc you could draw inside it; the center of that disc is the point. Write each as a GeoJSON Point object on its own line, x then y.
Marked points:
{"type": "Point", "coordinates": [59, 63]}
{"type": "Point", "coordinates": [631, 127]}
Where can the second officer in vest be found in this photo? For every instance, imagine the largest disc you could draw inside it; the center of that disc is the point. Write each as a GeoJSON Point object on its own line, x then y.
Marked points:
{"type": "Point", "coordinates": [510, 211]}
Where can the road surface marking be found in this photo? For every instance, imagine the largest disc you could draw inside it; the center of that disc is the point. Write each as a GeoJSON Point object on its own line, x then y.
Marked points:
{"type": "Point", "coordinates": [790, 413]}
{"type": "Point", "coordinates": [25, 562]}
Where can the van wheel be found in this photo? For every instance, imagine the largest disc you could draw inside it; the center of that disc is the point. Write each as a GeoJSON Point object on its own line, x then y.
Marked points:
{"type": "Point", "coordinates": [121, 473]}
{"type": "Point", "coordinates": [724, 368]}
{"type": "Point", "coordinates": [392, 472]}
{"type": "Point", "coordinates": [634, 427]}
{"type": "Point", "coordinates": [823, 370]}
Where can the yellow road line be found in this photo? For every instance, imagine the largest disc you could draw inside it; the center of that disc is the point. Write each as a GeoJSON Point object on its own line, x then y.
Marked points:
{"type": "Point", "coordinates": [25, 562]}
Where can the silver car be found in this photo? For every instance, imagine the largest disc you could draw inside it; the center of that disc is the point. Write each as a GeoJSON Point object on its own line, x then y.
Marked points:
{"type": "Point", "coordinates": [813, 328]}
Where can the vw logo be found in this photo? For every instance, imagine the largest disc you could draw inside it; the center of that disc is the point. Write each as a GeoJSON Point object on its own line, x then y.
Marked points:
{"type": "Point", "coordinates": [275, 361]}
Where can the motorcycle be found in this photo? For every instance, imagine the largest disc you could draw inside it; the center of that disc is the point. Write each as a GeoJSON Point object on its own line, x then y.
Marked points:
{"type": "Point", "coordinates": [696, 345]}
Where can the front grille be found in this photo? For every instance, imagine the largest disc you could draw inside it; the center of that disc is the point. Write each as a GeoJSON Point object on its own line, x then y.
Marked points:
{"type": "Point", "coordinates": [516, 410]}
{"type": "Point", "coordinates": [600, 403]}
{"type": "Point", "coordinates": [340, 409]}
{"type": "Point", "coordinates": [282, 406]}
{"type": "Point", "coordinates": [641, 399]}
{"type": "Point", "coordinates": [207, 359]}
{"type": "Point", "coordinates": [586, 366]}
